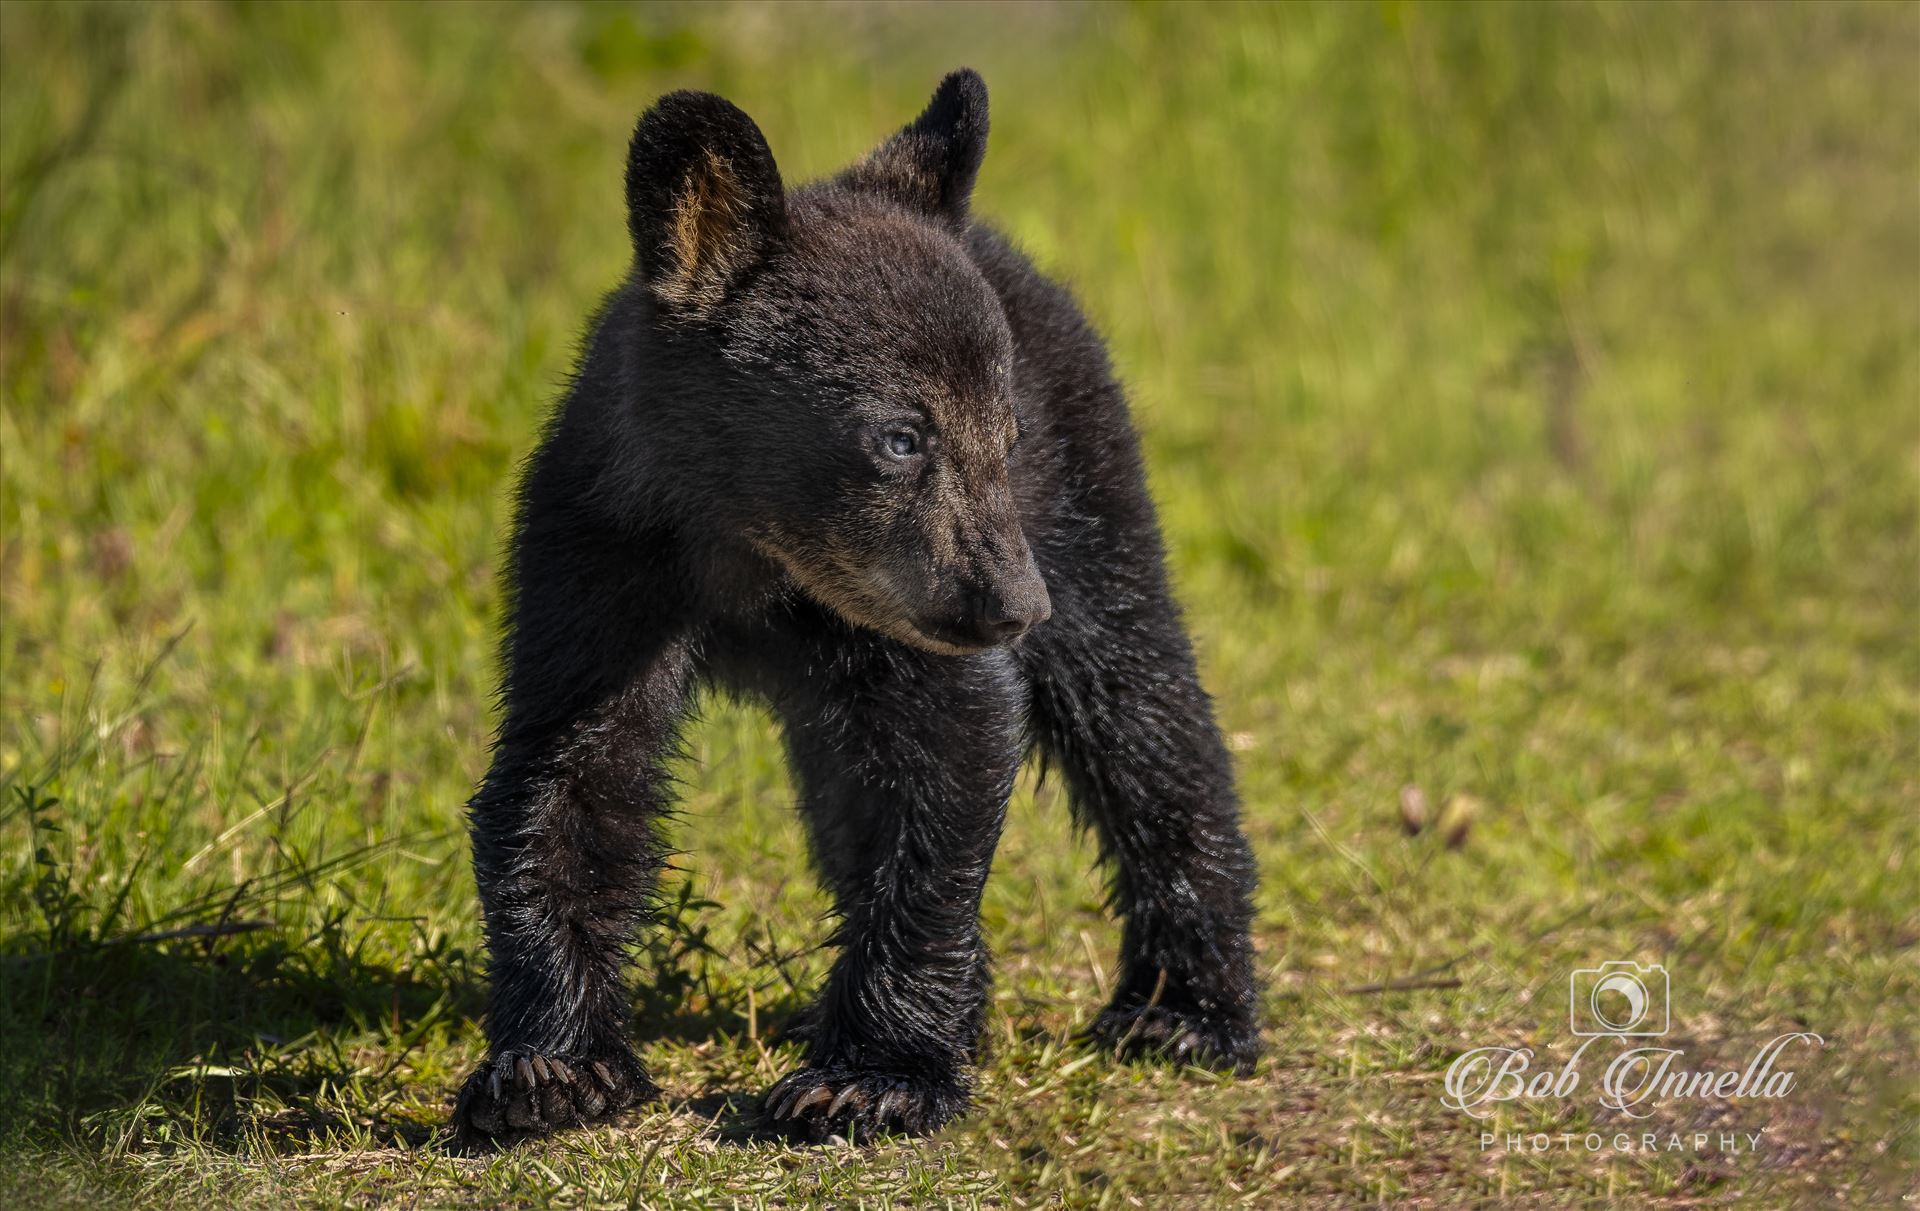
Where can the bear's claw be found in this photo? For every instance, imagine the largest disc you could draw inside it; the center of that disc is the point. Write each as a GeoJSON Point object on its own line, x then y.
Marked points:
{"type": "Point", "coordinates": [814, 1104]}
{"type": "Point", "coordinates": [1184, 1037]}
{"type": "Point", "coordinates": [517, 1095]}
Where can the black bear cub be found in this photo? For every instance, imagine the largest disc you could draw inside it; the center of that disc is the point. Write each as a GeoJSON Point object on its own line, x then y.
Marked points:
{"type": "Point", "coordinates": [843, 450]}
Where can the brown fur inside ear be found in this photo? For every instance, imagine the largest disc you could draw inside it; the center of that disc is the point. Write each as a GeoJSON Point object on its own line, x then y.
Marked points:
{"type": "Point", "coordinates": [708, 239]}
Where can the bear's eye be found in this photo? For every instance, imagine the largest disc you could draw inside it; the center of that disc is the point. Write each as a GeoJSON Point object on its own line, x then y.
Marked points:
{"type": "Point", "coordinates": [903, 443]}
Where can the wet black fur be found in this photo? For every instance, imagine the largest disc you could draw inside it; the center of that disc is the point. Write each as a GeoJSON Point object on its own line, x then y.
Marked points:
{"type": "Point", "coordinates": [634, 585]}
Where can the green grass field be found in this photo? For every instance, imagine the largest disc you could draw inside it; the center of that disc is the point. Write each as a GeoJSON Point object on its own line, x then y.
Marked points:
{"type": "Point", "coordinates": [1533, 397]}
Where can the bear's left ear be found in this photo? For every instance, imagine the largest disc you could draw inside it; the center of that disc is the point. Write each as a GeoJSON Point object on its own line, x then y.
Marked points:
{"type": "Point", "coordinates": [930, 166]}
{"type": "Point", "coordinates": [704, 200]}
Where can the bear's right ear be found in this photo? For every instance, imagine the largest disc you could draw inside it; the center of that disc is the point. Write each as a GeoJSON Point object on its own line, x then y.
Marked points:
{"type": "Point", "coordinates": [704, 200]}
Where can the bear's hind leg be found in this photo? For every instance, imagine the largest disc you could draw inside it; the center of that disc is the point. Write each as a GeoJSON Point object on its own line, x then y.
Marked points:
{"type": "Point", "coordinates": [1118, 709]}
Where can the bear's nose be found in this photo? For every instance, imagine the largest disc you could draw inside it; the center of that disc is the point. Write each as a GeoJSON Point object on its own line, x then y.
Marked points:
{"type": "Point", "coordinates": [1005, 614]}
{"type": "Point", "coordinates": [1002, 630]}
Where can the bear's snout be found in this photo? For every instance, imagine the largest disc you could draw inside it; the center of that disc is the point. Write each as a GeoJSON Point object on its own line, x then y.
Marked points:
{"type": "Point", "coordinates": [1002, 612]}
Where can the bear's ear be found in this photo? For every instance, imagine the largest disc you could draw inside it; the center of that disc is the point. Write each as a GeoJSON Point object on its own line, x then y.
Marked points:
{"type": "Point", "coordinates": [704, 200]}
{"type": "Point", "coordinates": [930, 165]}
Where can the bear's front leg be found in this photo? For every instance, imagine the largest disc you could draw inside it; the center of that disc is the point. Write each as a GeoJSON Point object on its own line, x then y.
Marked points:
{"type": "Point", "coordinates": [566, 855]}
{"type": "Point", "coordinates": [904, 761]}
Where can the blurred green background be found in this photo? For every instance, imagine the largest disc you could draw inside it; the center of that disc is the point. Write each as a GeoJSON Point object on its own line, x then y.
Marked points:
{"type": "Point", "coordinates": [1533, 397]}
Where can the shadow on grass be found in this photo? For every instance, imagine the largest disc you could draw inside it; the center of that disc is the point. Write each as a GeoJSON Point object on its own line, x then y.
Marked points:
{"type": "Point", "coordinates": [264, 1039]}
{"type": "Point", "coordinates": [125, 1044]}
{"type": "Point", "coordinates": [734, 1118]}
{"type": "Point", "coordinates": [232, 1040]}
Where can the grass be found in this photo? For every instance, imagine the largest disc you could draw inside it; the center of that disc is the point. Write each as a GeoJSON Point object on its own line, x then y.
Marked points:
{"type": "Point", "coordinates": [1533, 395]}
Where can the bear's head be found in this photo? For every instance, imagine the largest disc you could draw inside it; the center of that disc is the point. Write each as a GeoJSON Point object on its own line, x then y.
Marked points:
{"type": "Point", "coordinates": [854, 369]}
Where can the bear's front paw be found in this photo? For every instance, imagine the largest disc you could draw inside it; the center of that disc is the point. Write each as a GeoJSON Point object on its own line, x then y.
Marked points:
{"type": "Point", "coordinates": [815, 1104]}
{"type": "Point", "coordinates": [1183, 1036]}
{"type": "Point", "coordinates": [519, 1094]}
